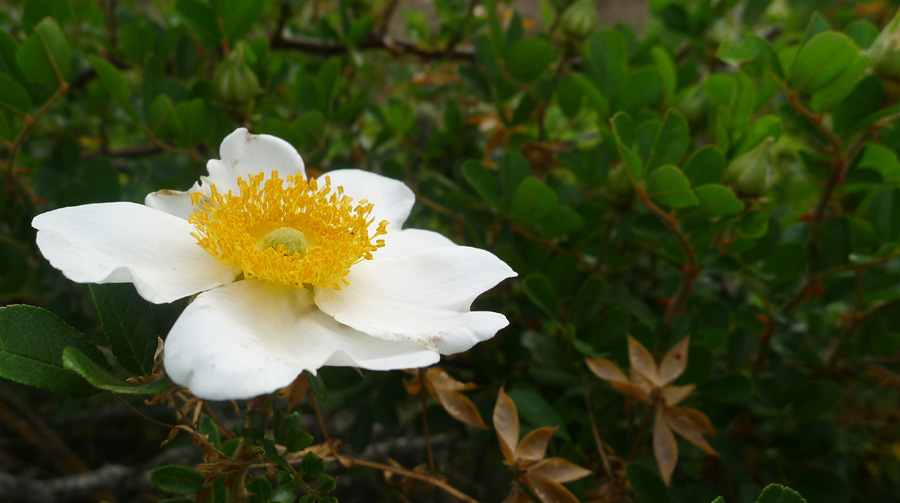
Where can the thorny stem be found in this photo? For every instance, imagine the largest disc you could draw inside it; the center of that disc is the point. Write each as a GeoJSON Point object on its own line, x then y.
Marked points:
{"type": "Point", "coordinates": [422, 394]}
{"type": "Point", "coordinates": [641, 432]}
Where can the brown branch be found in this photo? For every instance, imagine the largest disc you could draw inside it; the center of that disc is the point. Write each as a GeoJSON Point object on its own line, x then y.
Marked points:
{"type": "Point", "coordinates": [372, 42]}
{"type": "Point", "coordinates": [689, 272]}
{"type": "Point", "coordinates": [422, 393]}
{"type": "Point", "coordinates": [351, 462]}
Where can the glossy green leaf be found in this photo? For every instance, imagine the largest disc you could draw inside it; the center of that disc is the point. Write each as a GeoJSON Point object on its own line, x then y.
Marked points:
{"type": "Point", "coordinates": [884, 213]}
{"type": "Point", "coordinates": [668, 185]}
{"type": "Point", "coordinates": [14, 97]}
{"type": "Point", "coordinates": [753, 225]}
{"type": "Point", "coordinates": [238, 16]}
{"type": "Point", "coordinates": [606, 60]}
{"type": "Point", "coordinates": [671, 143]}
{"type": "Point", "coordinates": [767, 126]}
{"type": "Point", "coordinates": [667, 72]}
{"type": "Point", "coordinates": [821, 61]}
{"type": "Point", "coordinates": [8, 49]}
{"type": "Point", "coordinates": [483, 180]}
{"type": "Point", "coordinates": [705, 166]}
{"type": "Point", "coordinates": [177, 480]}
{"type": "Point", "coordinates": [540, 290]}
{"type": "Point", "coordinates": [750, 48]}
{"type": "Point", "coordinates": [533, 201]}
{"type": "Point", "coordinates": [715, 200]}
{"type": "Point", "coordinates": [595, 97]}
{"type": "Point", "coordinates": [529, 58]}
{"type": "Point", "coordinates": [115, 84]}
{"type": "Point", "coordinates": [102, 378]}
{"type": "Point", "coordinates": [132, 325]}
{"type": "Point", "coordinates": [639, 89]}
{"type": "Point", "coordinates": [201, 19]}
{"type": "Point", "coordinates": [775, 493]}
{"type": "Point", "coordinates": [163, 119]}
{"type": "Point", "coordinates": [560, 222]}
{"type": "Point", "coordinates": [569, 96]}
{"type": "Point", "coordinates": [32, 341]}
{"type": "Point", "coordinates": [44, 56]}
{"type": "Point", "coordinates": [192, 116]}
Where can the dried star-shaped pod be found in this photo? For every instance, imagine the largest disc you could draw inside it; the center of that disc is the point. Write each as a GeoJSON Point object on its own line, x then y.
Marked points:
{"type": "Point", "coordinates": [652, 383]}
{"type": "Point", "coordinates": [544, 478]}
{"type": "Point", "coordinates": [446, 390]}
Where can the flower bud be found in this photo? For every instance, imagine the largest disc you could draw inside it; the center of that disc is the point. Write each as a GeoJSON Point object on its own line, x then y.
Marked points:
{"type": "Point", "coordinates": [577, 23]}
{"type": "Point", "coordinates": [618, 183]}
{"type": "Point", "coordinates": [749, 173]}
{"type": "Point", "coordinates": [885, 50]}
{"type": "Point", "coordinates": [234, 81]}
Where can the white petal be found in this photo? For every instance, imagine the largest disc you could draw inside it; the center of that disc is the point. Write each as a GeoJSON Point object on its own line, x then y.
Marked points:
{"type": "Point", "coordinates": [423, 297]}
{"type": "Point", "coordinates": [399, 243]}
{"type": "Point", "coordinates": [253, 337]}
{"type": "Point", "coordinates": [242, 154]}
{"type": "Point", "coordinates": [173, 202]}
{"type": "Point", "coordinates": [392, 200]}
{"type": "Point", "coordinates": [129, 243]}
{"type": "Point", "coordinates": [246, 154]}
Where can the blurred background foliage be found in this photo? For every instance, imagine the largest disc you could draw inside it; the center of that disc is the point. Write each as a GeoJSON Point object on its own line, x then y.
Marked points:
{"type": "Point", "coordinates": [727, 172]}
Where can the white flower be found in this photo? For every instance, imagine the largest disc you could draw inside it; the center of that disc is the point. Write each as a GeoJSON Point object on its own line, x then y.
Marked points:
{"type": "Point", "coordinates": [292, 274]}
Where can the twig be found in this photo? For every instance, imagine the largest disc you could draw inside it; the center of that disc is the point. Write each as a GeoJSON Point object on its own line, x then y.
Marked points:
{"type": "Point", "coordinates": [689, 272]}
{"type": "Point", "coordinates": [372, 42]}
{"type": "Point", "coordinates": [351, 461]}
{"type": "Point", "coordinates": [641, 432]}
{"type": "Point", "coordinates": [422, 393]}
{"type": "Point", "coordinates": [596, 431]}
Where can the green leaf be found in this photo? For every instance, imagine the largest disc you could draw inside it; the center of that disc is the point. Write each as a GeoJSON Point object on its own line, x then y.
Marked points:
{"type": "Point", "coordinates": [533, 201]}
{"type": "Point", "coordinates": [827, 97]}
{"type": "Point", "coordinates": [8, 49]}
{"type": "Point", "coordinates": [569, 96]}
{"type": "Point", "coordinates": [719, 500]}
{"type": "Point", "coordinates": [483, 180]}
{"type": "Point", "coordinates": [540, 290]}
{"type": "Point", "coordinates": [132, 325]}
{"type": "Point", "coordinates": [32, 341]}
{"type": "Point", "coordinates": [311, 129]}
{"type": "Point", "coordinates": [753, 225]}
{"type": "Point", "coordinates": [862, 32]}
{"type": "Point", "coordinates": [115, 84]}
{"type": "Point", "coordinates": [201, 19]}
{"type": "Point", "coordinates": [13, 96]}
{"type": "Point", "coordinates": [765, 127]}
{"type": "Point", "coordinates": [647, 484]}
{"type": "Point", "coordinates": [36, 10]}
{"type": "Point", "coordinates": [593, 94]}
{"type": "Point", "coordinates": [177, 480]}
{"type": "Point", "coordinates": [668, 185]}
{"type": "Point", "coordinates": [101, 378]}
{"type": "Point", "coordinates": [671, 143]}
{"type": "Point", "coordinates": [715, 200]}
{"type": "Point", "coordinates": [561, 221]}
{"type": "Point", "coordinates": [606, 60]}
{"type": "Point", "coordinates": [163, 119]}
{"type": "Point", "coordinates": [705, 166]}
{"type": "Point", "coordinates": [535, 410]}
{"type": "Point", "coordinates": [750, 48]}
{"type": "Point", "coordinates": [529, 58]}
{"type": "Point", "coordinates": [821, 61]}
{"type": "Point", "coordinates": [238, 16]}
{"type": "Point", "coordinates": [732, 388]}
{"type": "Point", "coordinates": [864, 100]}
{"type": "Point", "coordinates": [884, 213]}
{"type": "Point", "coordinates": [667, 73]}
{"type": "Point", "coordinates": [192, 116]}
{"type": "Point", "coordinates": [45, 55]}
{"type": "Point", "coordinates": [775, 493]}
{"type": "Point", "coordinates": [295, 437]}
{"type": "Point", "coordinates": [638, 90]}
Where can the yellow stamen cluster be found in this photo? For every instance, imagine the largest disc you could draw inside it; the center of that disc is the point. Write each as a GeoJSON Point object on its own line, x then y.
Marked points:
{"type": "Point", "coordinates": [290, 231]}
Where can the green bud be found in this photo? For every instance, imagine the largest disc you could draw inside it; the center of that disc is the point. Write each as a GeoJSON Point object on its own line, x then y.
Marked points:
{"type": "Point", "coordinates": [618, 183]}
{"type": "Point", "coordinates": [292, 239]}
{"type": "Point", "coordinates": [749, 173]}
{"type": "Point", "coordinates": [885, 50]}
{"type": "Point", "coordinates": [234, 81]}
{"type": "Point", "coordinates": [579, 20]}
{"type": "Point", "coordinates": [577, 23]}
